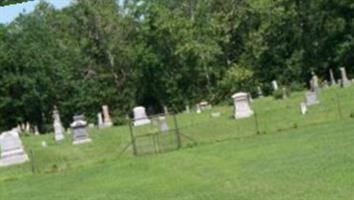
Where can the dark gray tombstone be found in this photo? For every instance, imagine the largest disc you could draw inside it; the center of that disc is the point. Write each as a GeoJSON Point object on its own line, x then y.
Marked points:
{"type": "Point", "coordinates": [79, 130]}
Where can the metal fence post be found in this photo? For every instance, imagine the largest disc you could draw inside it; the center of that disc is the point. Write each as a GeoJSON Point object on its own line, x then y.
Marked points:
{"type": "Point", "coordinates": [132, 138]}
{"type": "Point", "coordinates": [178, 136]}
{"type": "Point", "coordinates": [33, 167]}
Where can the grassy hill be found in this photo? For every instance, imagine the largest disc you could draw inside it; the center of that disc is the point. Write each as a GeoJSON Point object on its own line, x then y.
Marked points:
{"type": "Point", "coordinates": [279, 154]}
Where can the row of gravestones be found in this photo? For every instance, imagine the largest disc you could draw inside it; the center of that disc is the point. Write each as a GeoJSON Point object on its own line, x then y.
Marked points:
{"type": "Point", "coordinates": [12, 151]}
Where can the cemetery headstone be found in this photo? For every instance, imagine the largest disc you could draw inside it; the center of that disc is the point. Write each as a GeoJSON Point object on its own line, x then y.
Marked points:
{"type": "Point", "coordinates": [188, 110]}
{"type": "Point", "coordinates": [36, 131]}
{"type": "Point", "coordinates": [314, 83]}
{"type": "Point", "coordinates": [204, 105]}
{"type": "Point", "coordinates": [165, 110]}
{"type": "Point", "coordinates": [333, 80]}
{"type": "Point", "coordinates": [107, 121]}
{"type": "Point", "coordinates": [163, 126]}
{"type": "Point", "coordinates": [140, 117]}
{"type": "Point", "coordinates": [79, 130]}
{"type": "Point", "coordinates": [198, 109]}
{"type": "Point", "coordinates": [285, 95]}
{"type": "Point", "coordinates": [242, 108]}
{"type": "Point", "coordinates": [275, 85]}
{"type": "Point", "coordinates": [311, 98]}
{"type": "Point", "coordinates": [303, 108]}
{"type": "Point", "coordinates": [58, 127]}
{"type": "Point", "coordinates": [12, 151]}
{"type": "Point", "coordinates": [100, 120]}
{"type": "Point", "coordinates": [345, 82]}
{"type": "Point", "coordinates": [260, 92]}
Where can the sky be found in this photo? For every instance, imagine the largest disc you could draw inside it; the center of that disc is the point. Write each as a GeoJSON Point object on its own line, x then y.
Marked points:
{"type": "Point", "coordinates": [9, 13]}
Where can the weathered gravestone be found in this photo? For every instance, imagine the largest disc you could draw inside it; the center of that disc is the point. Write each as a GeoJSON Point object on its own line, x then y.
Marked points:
{"type": "Point", "coordinates": [12, 151]}
{"type": "Point", "coordinates": [275, 85]}
{"type": "Point", "coordinates": [58, 127]}
{"type": "Point", "coordinates": [242, 108]}
{"type": "Point", "coordinates": [107, 121]}
{"type": "Point", "coordinates": [100, 120]}
{"type": "Point", "coordinates": [204, 105]}
{"type": "Point", "coordinates": [188, 110]}
{"type": "Point", "coordinates": [303, 108]}
{"type": "Point", "coordinates": [314, 83]}
{"type": "Point", "coordinates": [199, 110]}
{"type": "Point", "coordinates": [79, 130]}
{"type": "Point", "coordinates": [163, 126]}
{"type": "Point", "coordinates": [140, 117]}
{"type": "Point", "coordinates": [344, 81]}
{"type": "Point", "coordinates": [333, 80]}
{"type": "Point", "coordinates": [259, 92]}
{"type": "Point", "coordinates": [285, 93]}
{"type": "Point", "coordinates": [311, 98]}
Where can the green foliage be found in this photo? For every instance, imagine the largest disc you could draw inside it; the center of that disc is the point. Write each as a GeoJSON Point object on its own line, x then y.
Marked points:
{"type": "Point", "coordinates": [157, 53]}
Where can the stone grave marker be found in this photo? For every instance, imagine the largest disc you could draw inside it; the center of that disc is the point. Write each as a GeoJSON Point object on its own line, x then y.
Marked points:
{"type": "Point", "coordinates": [275, 85]}
{"type": "Point", "coordinates": [303, 108]}
{"type": "Point", "coordinates": [311, 98]}
{"type": "Point", "coordinates": [79, 130]}
{"type": "Point", "coordinates": [344, 81]}
{"type": "Point", "coordinates": [333, 80]}
{"type": "Point", "coordinates": [163, 126]}
{"type": "Point", "coordinates": [100, 120]}
{"type": "Point", "coordinates": [107, 121]}
{"type": "Point", "coordinates": [12, 151]}
{"type": "Point", "coordinates": [259, 92]}
{"type": "Point", "coordinates": [199, 110]}
{"type": "Point", "coordinates": [140, 117]}
{"type": "Point", "coordinates": [58, 127]}
{"type": "Point", "coordinates": [242, 108]}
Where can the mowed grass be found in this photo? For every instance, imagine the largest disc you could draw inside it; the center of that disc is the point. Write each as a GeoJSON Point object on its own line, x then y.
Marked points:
{"type": "Point", "coordinates": [311, 163]}
{"type": "Point", "coordinates": [287, 156]}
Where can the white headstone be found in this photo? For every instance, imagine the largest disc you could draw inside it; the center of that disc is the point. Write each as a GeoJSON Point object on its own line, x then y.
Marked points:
{"type": "Point", "coordinates": [140, 117]}
{"type": "Point", "coordinates": [79, 130]}
{"type": "Point", "coordinates": [285, 95]}
{"type": "Point", "coordinates": [260, 92]}
{"type": "Point", "coordinates": [275, 85]}
{"type": "Point", "coordinates": [199, 110]}
{"type": "Point", "coordinates": [165, 110]}
{"type": "Point", "coordinates": [303, 108]}
{"type": "Point", "coordinates": [314, 83]}
{"type": "Point", "coordinates": [100, 120]}
{"type": "Point", "coordinates": [12, 151]}
{"type": "Point", "coordinates": [333, 80]}
{"type": "Point", "coordinates": [163, 126]}
{"type": "Point", "coordinates": [36, 131]}
{"type": "Point", "coordinates": [344, 81]}
{"type": "Point", "coordinates": [311, 98]}
{"type": "Point", "coordinates": [107, 121]}
{"type": "Point", "coordinates": [58, 127]}
{"type": "Point", "coordinates": [28, 127]}
{"type": "Point", "coordinates": [242, 108]}
{"type": "Point", "coordinates": [188, 110]}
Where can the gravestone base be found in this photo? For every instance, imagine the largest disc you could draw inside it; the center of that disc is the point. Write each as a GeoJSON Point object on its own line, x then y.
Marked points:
{"type": "Point", "coordinates": [82, 141]}
{"type": "Point", "coordinates": [142, 122]}
{"type": "Point", "coordinates": [13, 158]}
{"type": "Point", "coordinates": [243, 115]}
{"type": "Point", "coordinates": [58, 137]}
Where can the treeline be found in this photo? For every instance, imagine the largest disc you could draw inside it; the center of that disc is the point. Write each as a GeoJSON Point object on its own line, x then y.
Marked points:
{"type": "Point", "coordinates": [158, 52]}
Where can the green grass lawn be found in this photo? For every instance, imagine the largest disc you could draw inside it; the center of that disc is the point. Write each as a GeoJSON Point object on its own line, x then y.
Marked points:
{"type": "Point", "coordinates": [293, 157]}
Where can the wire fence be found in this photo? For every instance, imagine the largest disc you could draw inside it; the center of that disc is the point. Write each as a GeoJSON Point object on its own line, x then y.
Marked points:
{"type": "Point", "coordinates": [165, 133]}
